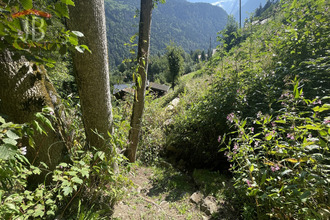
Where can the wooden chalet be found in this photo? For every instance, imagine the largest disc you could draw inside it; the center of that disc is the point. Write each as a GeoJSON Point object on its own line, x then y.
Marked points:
{"type": "Point", "coordinates": [121, 90]}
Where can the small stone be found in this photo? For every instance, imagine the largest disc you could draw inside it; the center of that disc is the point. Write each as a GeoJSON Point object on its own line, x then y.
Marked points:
{"type": "Point", "coordinates": [196, 197]}
{"type": "Point", "coordinates": [205, 217]}
{"type": "Point", "coordinates": [209, 205]}
{"type": "Point", "coordinates": [138, 190]}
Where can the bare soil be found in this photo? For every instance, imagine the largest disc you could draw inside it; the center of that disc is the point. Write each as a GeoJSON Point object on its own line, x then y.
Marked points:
{"type": "Point", "coordinates": [158, 196]}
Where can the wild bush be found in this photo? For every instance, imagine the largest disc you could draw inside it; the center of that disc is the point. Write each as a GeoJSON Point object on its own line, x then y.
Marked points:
{"type": "Point", "coordinates": [252, 76]}
{"type": "Point", "coordinates": [280, 162]}
{"type": "Point", "coordinates": [85, 188]}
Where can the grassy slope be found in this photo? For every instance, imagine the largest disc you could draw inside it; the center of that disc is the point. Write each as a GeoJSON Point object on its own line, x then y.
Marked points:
{"type": "Point", "coordinates": [249, 79]}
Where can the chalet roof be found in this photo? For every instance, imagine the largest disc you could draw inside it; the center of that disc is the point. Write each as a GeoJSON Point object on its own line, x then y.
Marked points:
{"type": "Point", "coordinates": [150, 85]}
{"type": "Point", "coordinates": [159, 87]}
{"type": "Point", "coordinates": [123, 87]}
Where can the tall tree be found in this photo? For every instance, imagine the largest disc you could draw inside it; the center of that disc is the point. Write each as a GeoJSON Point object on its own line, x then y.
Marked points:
{"type": "Point", "coordinates": [175, 61]}
{"type": "Point", "coordinates": [24, 85]}
{"type": "Point", "coordinates": [24, 91]}
{"type": "Point", "coordinates": [92, 70]}
{"type": "Point", "coordinates": [230, 36]}
{"type": "Point", "coordinates": [140, 80]}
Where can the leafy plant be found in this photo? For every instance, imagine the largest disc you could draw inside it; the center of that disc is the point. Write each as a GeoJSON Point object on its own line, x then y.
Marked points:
{"type": "Point", "coordinates": [35, 33]}
{"type": "Point", "coordinates": [89, 180]}
{"type": "Point", "coordinates": [281, 161]}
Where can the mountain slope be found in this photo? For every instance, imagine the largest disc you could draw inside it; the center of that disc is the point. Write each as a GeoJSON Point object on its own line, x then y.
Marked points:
{"type": "Point", "coordinates": [190, 25]}
{"type": "Point", "coordinates": [232, 7]}
{"type": "Point", "coordinates": [229, 5]}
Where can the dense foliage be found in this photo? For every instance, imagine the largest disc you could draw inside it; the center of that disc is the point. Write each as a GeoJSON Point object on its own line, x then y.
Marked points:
{"type": "Point", "coordinates": [86, 185]}
{"type": "Point", "coordinates": [159, 66]}
{"type": "Point", "coordinates": [279, 150]}
{"type": "Point", "coordinates": [37, 34]}
{"type": "Point", "coordinates": [85, 188]}
{"type": "Point", "coordinates": [257, 110]}
{"type": "Point", "coordinates": [175, 60]}
{"type": "Point", "coordinates": [283, 159]}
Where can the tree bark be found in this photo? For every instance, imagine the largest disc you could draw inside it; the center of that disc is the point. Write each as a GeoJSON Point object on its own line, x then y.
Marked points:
{"type": "Point", "coordinates": [24, 90]}
{"type": "Point", "coordinates": [92, 70]}
{"type": "Point", "coordinates": [142, 57]}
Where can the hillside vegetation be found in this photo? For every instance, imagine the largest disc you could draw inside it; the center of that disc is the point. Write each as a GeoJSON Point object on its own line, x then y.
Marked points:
{"type": "Point", "coordinates": [261, 110]}
{"type": "Point", "coordinates": [243, 134]}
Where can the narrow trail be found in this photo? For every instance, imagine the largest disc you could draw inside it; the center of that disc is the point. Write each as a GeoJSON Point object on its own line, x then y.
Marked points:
{"type": "Point", "coordinates": [166, 193]}
{"type": "Point", "coordinates": [150, 199]}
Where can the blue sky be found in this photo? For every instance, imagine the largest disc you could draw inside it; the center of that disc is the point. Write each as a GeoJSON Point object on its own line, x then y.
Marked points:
{"type": "Point", "coordinates": [208, 1]}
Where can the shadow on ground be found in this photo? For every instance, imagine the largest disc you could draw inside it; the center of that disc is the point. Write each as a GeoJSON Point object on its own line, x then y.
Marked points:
{"type": "Point", "coordinates": [176, 185]}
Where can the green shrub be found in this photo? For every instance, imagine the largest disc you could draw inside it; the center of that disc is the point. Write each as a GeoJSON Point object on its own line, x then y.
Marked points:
{"type": "Point", "coordinates": [153, 137]}
{"type": "Point", "coordinates": [281, 162]}
{"type": "Point", "coordinates": [88, 180]}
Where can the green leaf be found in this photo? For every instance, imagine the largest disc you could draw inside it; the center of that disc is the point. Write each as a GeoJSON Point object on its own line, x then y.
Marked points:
{"type": "Point", "coordinates": [269, 137]}
{"type": "Point", "coordinates": [79, 49]}
{"type": "Point", "coordinates": [38, 127]}
{"type": "Point", "coordinates": [44, 165]}
{"type": "Point", "coordinates": [10, 134]}
{"type": "Point", "coordinates": [62, 10]}
{"type": "Point", "coordinates": [2, 120]}
{"type": "Point", "coordinates": [324, 107]}
{"type": "Point", "coordinates": [84, 172]}
{"type": "Point", "coordinates": [45, 120]}
{"type": "Point", "coordinates": [77, 180]}
{"type": "Point", "coordinates": [312, 147]}
{"type": "Point", "coordinates": [72, 173]}
{"type": "Point", "coordinates": [263, 178]}
{"type": "Point", "coordinates": [251, 168]}
{"type": "Point", "coordinates": [9, 141]}
{"type": "Point", "coordinates": [63, 165]}
{"type": "Point", "coordinates": [39, 210]}
{"type": "Point", "coordinates": [86, 48]}
{"type": "Point", "coordinates": [310, 127]}
{"type": "Point", "coordinates": [305, 196]}
{"type": "Point", "coordinates": [50, 212]}
{"type": "Point", "coordinates": [100, 154]}
{"type": "Point", "coordinates": [286, 172]}
{"type": "Point", "coordinates": [63, 50]}
{"type": "Point", "coordinates": [7, 151]}
{"type": "Point", "coordinates": [78, 33]}
{"type": "Point", "coordinates": [281, 189]}
{"type": "Point", "coordinates": [68, 2]}
{"type": "Point", "coordinates": [280, 121]}
{"type": "Point", "coordinates": [11, 206]}
{"type": "Point", "coordinates": [67, 190]}
{"type": "Point", "coordinates": [27, 4]}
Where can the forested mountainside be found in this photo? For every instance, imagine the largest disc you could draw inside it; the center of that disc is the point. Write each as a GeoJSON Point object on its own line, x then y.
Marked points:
{"type": "Point", "coordinates": [189, 25]}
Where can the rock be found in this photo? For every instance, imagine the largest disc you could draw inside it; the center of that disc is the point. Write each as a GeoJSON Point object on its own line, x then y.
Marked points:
{"type": "Point", "coordinates": [196, 197]}
{"type": "Point", "coordinates": [173, 104]}
{"type": "Point", "coordinates": [205, 217]}
{"type": "Point", "coordinates": [209, 205]}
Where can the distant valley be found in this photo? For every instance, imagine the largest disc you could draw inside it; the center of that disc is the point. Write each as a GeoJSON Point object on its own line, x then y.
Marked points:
{"type": "Point", "coordinates": [189, 25]}
{"type": "Point", "coordinates": [232, 6]}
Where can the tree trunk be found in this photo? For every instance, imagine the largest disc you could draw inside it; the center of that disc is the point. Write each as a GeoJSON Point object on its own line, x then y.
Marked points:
{"type": "Point", "coordinates": [142, 57]}
{"type": "Point", "coordinates": [92, 70]}
{"type": "Point", "coordinates": [24, 91]}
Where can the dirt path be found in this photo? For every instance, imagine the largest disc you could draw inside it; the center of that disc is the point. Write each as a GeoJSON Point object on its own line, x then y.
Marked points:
{"type": "Point", "coordinates": [158, 194]}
